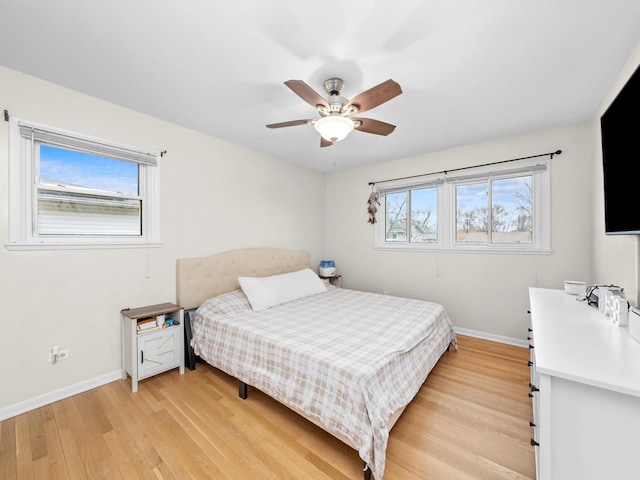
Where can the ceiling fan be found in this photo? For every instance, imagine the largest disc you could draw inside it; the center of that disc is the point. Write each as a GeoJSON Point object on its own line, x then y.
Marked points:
{"type": "Point", "coordinates": [336, 112]}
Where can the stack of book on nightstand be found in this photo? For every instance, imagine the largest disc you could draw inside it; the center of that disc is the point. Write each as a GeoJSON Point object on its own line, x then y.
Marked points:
{"type": "Point", "coordinates": [146, 325]}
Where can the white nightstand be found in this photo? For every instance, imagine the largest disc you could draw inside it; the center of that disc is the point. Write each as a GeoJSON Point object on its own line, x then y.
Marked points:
{"type": "Point", "coordinates": [335, 280]}
{"type": "Point", "coordinates": [153, 350]}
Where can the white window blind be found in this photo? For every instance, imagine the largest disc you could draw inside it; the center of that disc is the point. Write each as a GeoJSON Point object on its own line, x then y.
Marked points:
{"type": "Point", "coordinates": [434, 180]}
{"type": "Point", "coordinates": [85, 144]}
{"type": "Point", "coordinates": [462, 177]}
{"type": "Point", "coordinates": [397, 187]}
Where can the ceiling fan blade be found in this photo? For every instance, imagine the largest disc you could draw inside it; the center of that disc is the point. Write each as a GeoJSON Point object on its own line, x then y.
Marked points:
{"type": "Point", "coordinates": [375, 96]}
{"type": "Point", "coordinates": [325, 143]}
{"type": "Point", "coordinates": [306, 93]}
{"type": "Point", "coordinates": [291, 123]}
{"type": "Point", "coordinates": [369, 125]}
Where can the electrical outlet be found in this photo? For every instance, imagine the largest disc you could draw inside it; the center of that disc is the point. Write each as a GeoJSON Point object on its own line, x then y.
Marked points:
{"type": "Point", "coordinates": [53, 354]}
{"type": "Point", "coordinates": [56, 354]}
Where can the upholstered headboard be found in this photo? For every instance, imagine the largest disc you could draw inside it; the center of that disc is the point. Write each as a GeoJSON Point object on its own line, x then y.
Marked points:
{"type": "Point", "coordinates": [198, 279]}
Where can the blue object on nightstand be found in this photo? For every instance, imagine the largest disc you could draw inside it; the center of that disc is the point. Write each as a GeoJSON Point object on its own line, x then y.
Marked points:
{"type": "Point", "coordinates": [327, 268]}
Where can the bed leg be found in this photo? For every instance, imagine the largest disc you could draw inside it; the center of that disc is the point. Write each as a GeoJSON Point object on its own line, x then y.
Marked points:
{"type": "Point", "coordinates": [367, 472]}
{"type": "Point", "coordinates": [242, 390]}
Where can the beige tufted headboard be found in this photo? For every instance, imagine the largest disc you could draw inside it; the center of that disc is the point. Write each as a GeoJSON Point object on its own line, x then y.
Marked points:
{"type": "Point", "coordinates": [198, 279]}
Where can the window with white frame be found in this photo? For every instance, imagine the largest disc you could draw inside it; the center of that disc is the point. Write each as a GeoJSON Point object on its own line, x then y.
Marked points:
{"type": "Point", "coordinates": [68, 190]}
{"type": "Point", "coordinates": [498, 208]}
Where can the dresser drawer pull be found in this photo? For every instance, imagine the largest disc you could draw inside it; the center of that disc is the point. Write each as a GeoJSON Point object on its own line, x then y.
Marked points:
{"type": "Point", "coordinates": [531, 346]}
{"type": "Point", "coordinates": [531, 424]}
{"type": "Point", "coordinates": [534, 443]}
{"type": "Point", "coordinates": [533, 388]}
{"type": "Point", "coordinates": [530, 363]}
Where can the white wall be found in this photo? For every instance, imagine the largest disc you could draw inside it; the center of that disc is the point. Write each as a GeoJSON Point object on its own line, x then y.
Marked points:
{"type": "Point", "coordinates": [216, 196]}
{"type": "Point", "coordinates": [615, 257]}
{"type": "Point", "coordinates": [481, 292]}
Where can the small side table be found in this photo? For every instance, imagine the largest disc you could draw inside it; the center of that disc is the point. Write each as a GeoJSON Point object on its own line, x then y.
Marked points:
{"type": "Point", "coordinates": [158, 347]}
{"type": "Point", "coordinates": [335, 280]}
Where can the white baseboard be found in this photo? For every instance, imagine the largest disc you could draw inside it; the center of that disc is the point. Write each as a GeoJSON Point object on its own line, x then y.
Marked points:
{"type": "Point", "coordinates": [489, 336]}
{"type": "Point", "coordinates": [47, 398]}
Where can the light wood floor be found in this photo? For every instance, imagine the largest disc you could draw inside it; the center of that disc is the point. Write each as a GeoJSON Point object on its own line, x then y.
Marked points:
{"type": "Point", "coordinates": [469, 421]}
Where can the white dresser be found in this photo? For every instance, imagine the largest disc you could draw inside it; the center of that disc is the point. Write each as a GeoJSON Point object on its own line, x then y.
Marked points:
{"type": "Point", "coordinates": [585, 377]}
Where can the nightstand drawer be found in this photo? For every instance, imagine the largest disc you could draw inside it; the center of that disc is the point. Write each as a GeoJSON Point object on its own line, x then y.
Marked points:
{"type": "Point", "coordinates": [159, 351]}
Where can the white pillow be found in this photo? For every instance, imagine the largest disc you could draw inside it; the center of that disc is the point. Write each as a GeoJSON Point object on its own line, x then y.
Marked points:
{"type": "Point", "coordinates": [267, 292]}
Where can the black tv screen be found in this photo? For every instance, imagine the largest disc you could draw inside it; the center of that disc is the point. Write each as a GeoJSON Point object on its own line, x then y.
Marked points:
{"type": "Point", "coordinates": [620, 127]}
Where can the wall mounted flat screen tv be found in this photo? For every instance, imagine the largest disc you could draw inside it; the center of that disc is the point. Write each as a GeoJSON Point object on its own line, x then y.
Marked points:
{"type": "Point", "coordinates": [620, 127]}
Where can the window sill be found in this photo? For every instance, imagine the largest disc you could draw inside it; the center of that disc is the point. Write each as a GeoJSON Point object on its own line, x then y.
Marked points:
{"type": "Point", "coordinates": [79, 245]}
{"type": "Point", "coordinates": [474, 250]}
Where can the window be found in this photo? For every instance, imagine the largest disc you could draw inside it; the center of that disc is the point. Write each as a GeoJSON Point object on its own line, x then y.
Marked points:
{"type": "Point", "coordinates": [72, 191]}
{"type": "Point", "coordinates": [424, 215]}
{"type": "Point", "coordinates": [396, 217]}
{"type": "Point", "coordinates": [422, 225]}
{"type": "Point", "coordinates": [504, 204]}
{"type": "Point", "coordinates": [501, 209]}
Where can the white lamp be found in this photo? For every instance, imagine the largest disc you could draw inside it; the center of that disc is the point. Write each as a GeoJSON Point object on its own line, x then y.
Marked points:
{"type": "Point", "coordinates": [334, 127]}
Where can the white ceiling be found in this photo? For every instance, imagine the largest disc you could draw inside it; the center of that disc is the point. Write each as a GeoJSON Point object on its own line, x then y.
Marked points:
{"type": "Point", "coordinates": [470, 70]}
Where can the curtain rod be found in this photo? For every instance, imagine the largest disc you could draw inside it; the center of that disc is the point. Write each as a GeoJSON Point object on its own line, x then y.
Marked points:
{"type": "Point", "coordinates": [551, 154]}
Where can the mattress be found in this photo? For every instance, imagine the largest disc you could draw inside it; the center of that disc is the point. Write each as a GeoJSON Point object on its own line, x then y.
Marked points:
{"type": "Point", "coordinates": [345, 358]}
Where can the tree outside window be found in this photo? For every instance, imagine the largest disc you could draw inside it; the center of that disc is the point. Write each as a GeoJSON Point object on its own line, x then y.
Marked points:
{"type": "Point", "coordinates": [508, 211]}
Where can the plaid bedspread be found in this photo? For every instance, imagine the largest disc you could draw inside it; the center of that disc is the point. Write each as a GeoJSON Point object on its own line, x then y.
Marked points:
{"type": "Point", "coordinates": [346, 358]}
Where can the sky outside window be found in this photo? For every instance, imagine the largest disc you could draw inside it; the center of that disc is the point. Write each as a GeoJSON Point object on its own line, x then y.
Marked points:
{"type": "Point", "coordinates": [69, 167]}
{"type": "Point", "coordinates": [512, 193]}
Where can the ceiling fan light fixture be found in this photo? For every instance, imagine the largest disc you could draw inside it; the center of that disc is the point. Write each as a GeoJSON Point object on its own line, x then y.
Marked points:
{"type": "Point", "coordinates": [334, 127]}
{"type": "Point", "coordinates": [336, 121]}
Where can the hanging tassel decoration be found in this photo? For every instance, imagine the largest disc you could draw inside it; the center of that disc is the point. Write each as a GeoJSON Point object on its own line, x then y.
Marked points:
{"type": "Point", "coordinates": [372, 207]}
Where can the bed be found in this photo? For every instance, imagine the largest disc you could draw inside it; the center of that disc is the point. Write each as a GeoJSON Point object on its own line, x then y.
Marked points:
{"type": "Point", "coordinates": [348, 361]}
